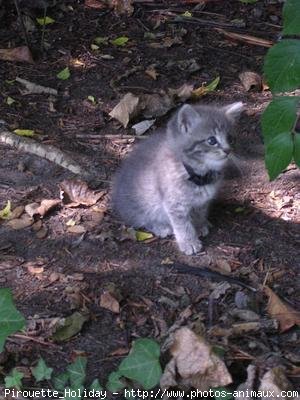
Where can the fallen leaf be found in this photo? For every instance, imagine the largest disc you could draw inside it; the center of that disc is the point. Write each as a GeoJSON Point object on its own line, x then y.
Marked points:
{"type": "Point", "coordinates": [35, 270]}
{"type": "Point", "coordinates": [95, 4]}
{"type": "Point", "coordinates": [141, 235]}
{"type": "Point", "coordinates": [151, 71]}
{"type": "Point", "coordinates": [70, 326]}
{"type": "Point", "coordinates": [122, 351]}
{"type": "Point", "coordinates": [194, 364]}
{"type": "Point", "coordinates": [42, 233]}
{"type": "Point", "coordinates": [43, 208]}
{"type": "Point", "coordinates": [275, 382]}
{"type": "Point", "coordinates": [282, 312]}
{"type": "Point", "coordinates": [202, 90]}
{"type": "Point", "coordinates": [109, 302]}
{"type": "Point", "coordinates": [251, 80]}
{"type": "Point", "coordinates": [64, 74]}
{"type": "Point", "coordinates": [20, 223]}
{"type": "Point", "coordinates": [18, 54]}
{"type": "Point", "coordinates": [9, 101]}
{"type": "Point", "coordinates": [5, 213]}
{"type": "Point", "coordinates": [100, 40]}
{"type": "Point", "coordinates": [71, 222]}
{"type": "Point", "coordinates": [24, 132]}
{"type": "Point", "coordinates": [78, 229]}
{"type": "Point", "coordinates": [17, 212]}
{"type": "Point", "coordinates": [223, 265]}
{"type": "Point", "coordinates": [141, 127]}
{"type": "Point", "coordinates": [125, 109]}
{"type": "Point", "coordinates": [45, 21]}
{"type": "Point", "coordinates": [77, 192]}
{"type": "Point", "coordinates": [120, 41]}
{"type": "Point", "coordinates": [122, 6]}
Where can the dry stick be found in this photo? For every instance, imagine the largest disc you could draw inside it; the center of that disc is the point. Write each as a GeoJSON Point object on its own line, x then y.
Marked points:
{"type": "Point", "coordinates": [117, 137]}
{"type": "Point", "coordinates": [33, 339]}
{"type": "Point", "coordinates": [22, 24]}
{"type": "Point", "coordinates": [48, 152]}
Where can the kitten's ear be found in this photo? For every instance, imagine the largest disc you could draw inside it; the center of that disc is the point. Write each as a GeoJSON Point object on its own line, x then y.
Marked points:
{"type": "Point", "coordinates": [233, 111]}
{"type": "Point", "coordinates": [187, 118]}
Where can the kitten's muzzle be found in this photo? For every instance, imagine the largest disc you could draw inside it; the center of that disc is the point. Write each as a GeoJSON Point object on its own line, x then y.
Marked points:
{"type": "Point", "coordinates": [227, 151]}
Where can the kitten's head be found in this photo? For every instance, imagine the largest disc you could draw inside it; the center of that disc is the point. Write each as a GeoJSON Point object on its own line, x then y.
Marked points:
{"type": "Point", "coordinates": [201, 135]}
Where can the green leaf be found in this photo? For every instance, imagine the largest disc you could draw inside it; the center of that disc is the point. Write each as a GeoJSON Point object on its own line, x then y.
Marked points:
{"type": "Point", "coordinates": [279, 153]}
{"type": "Point", "coordinates": [60, 381]}
{"type": "Point", "coordinates": [297, 148]}
{"type": "Point", "coordinates": [213, 84]}
{"type": "Point", "coordinates": [282, 65]}
{"type": "Point", "coordinates": [11, 320]}
{"type": "Point", "coordinates": [94, 46]}
{"type": "Point", "coordinates": [41, 371]}
{"type": "Point", "coordinates": [71, 326]}
{"type": "Point", "coordinates": [142, 364]}
{"type": "Point", "coordinates": [64, 74]}
{"type": "Point", "coordinates": [14, 380]}
{"type": "Point", "coordinates": [114, 384]}
{"type": "Point", "coordinates": [76, 371]}
{"type": "Point", "coordinates": [9, 101]}
{"type": "Point", "coordinates": [101, 40]}
{"type": "Point", "coordinates": [291, 17]}
{"type": "Point", "coordinates": [6, 211]}
{"type": "Point", "coordinates": [92, 99]}
{"type": "Point", "coordinates": [280, 116]}
{"type": "Point", "coordinates": [187, 14]}
{"type": "Point", "coordinates": [45, 21]}
{"type": "Point", "coordinates": [95, 385]}
{"type": "Point", "coordinates": [24, 132]}
{"type": "Point", "coordinates": [141, 235]}
{"type": "Point", "coordinates": [248, 1]}
{"type": "Point", "coordinates": [120, 41]}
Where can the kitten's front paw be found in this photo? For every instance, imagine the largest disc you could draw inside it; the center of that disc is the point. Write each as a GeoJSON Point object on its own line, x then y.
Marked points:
{"type": "Point", "coordinates": [190, 247]}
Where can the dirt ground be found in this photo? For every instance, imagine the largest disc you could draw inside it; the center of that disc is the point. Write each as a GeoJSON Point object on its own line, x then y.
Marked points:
{"type": "Point", "coordinates": [255, 234]}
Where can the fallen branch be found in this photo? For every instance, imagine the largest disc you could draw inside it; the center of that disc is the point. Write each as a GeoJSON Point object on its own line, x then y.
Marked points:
{"type": "Point", "coordinates": [246, 38]}
{"type": "Point", "coordinates": [33, 88]}
{"type": "Point", "coordinates": [112, 137]}
{"type": "Point", "coordinates": [48, 152]}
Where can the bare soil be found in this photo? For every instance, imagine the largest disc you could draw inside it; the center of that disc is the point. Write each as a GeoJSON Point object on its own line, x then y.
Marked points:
{"type": "Point", "coordinates": [255, 234]}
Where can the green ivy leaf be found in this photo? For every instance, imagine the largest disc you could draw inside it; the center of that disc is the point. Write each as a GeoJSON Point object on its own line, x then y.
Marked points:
{"type": "Point", "coordinates": [41, 371]}
{"type": "Point", "coordinates": [120, 41]}
{"type": "Point", "coordinates": [142, 235]}
{"type": "Point", "coordinates": [282, 65]}
{"type": "Point", "coordinates": [279, 153]}
{"type": "Point", "coordinates": [64, 74]}
{"type": "Point", "coordinates": [280, 116]}
{"type": "Point", "coordinates": [114, 383]}
{"type": "Point", "coordinates": [291, 17]}
{"type": "Point", "coordinates": [297, 148]}
{"type": "Point", "coordinates": [76, 371]}
{"type": "Point", "coordinates": [60, 381]}
{"type": "Point", "coordinates": [45, 21]}
{"type": "Point", "coordinates": [142, 364]}
{"type": "Point", "coordinates": [95, 385]}
{"type": "Point", "coordinates": [14, 380]}
{"type": "Point", "coordinates": [11, 320]}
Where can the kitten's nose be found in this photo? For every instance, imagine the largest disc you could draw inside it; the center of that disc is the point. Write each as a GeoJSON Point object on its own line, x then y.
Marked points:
{"type": "Point", "coordinates": [227, 150]}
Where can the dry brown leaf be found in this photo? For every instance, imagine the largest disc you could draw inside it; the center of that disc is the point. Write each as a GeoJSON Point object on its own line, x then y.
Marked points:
{"type": "Point", "coordinates": [54, 276]}
{"type": "Point", "coordinates": [121, 351]}
{"type": "Point", "coordinates": [42, 233]}
{"type": "Point", "coordinates": [34, 270]}
{"type": "Point", "coordinates": [76, 229]}
{"type": "Point", "coordinates": [251, 80]}
{"type": "Point", "coordinates": [20, 223]}
{"type": "Point", "coordinates": [77, 192]}
{"type": "Point", "coordinates": [276, 382]}
{"type": "Point", "coordinates": [97, 4]}
{"type": "Point", "coordinates": [126, 109]}
{"type": "Point", "coordinates": [194, 363]}
{"type": "Point", "coordinates": [223, 265]}
{"type": "Point", "coordinates": [37, 225]}
{"type": "Point", "coordinates": [108, 301]}
{"type": "Point", "coordinates": [41, 209]}
{"type": "Point", "coordinates": [151, 71]}
{"type": "Point", "coordinates": [282, 312]}
{"type": "Point", "coordinates": [16, 212]}
{"type": "Point", "coordinates": [122, 6]}
{"type": "Point", "coordinates": [18, 54]}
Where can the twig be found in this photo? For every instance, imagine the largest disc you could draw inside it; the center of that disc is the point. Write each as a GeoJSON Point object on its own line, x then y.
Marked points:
{"type": "Point", "coordinates": [246, 38]}
{"type": "Point", "coordinates": [33, 339]}
{"type": "Point", "coordinates": [16, 2]}
{"type": "Point", "coordinates": [48, 152]}
{"type": "Point", "coordinates": [33, 88]}
{"type": "Point", "coordinates": [100, 137]}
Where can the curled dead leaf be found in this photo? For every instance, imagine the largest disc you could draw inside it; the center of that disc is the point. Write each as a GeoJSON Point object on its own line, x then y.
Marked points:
{"type": "Point", "coordinates": [194, 364]}
{"type": "Point", "coordinates": [41, 209]}
{"type": "Point", "coordinates": [18, 54]}
{"type": "Point", "coordinates": [20, 223]}
{"type": "Point", "coordinates": [126, 109]}
{"type": "Point", "coordinates": [282, 312]}
{"type": "Point", "coordinates": [77, 192]}
{"type": "Point", "coordinates": [108, 301]}
{"type": "Point", "coordinates": [251, 80]}
{"type": "Point", "coordinates": [78, 229]}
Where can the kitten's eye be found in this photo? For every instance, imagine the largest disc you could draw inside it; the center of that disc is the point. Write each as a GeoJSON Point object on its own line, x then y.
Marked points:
{"type": "Point", "coordinates": [212, 141]}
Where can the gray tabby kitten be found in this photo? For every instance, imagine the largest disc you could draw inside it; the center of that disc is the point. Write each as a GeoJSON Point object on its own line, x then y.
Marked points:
{"type": "Point", "coordinates": [169, 180]}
